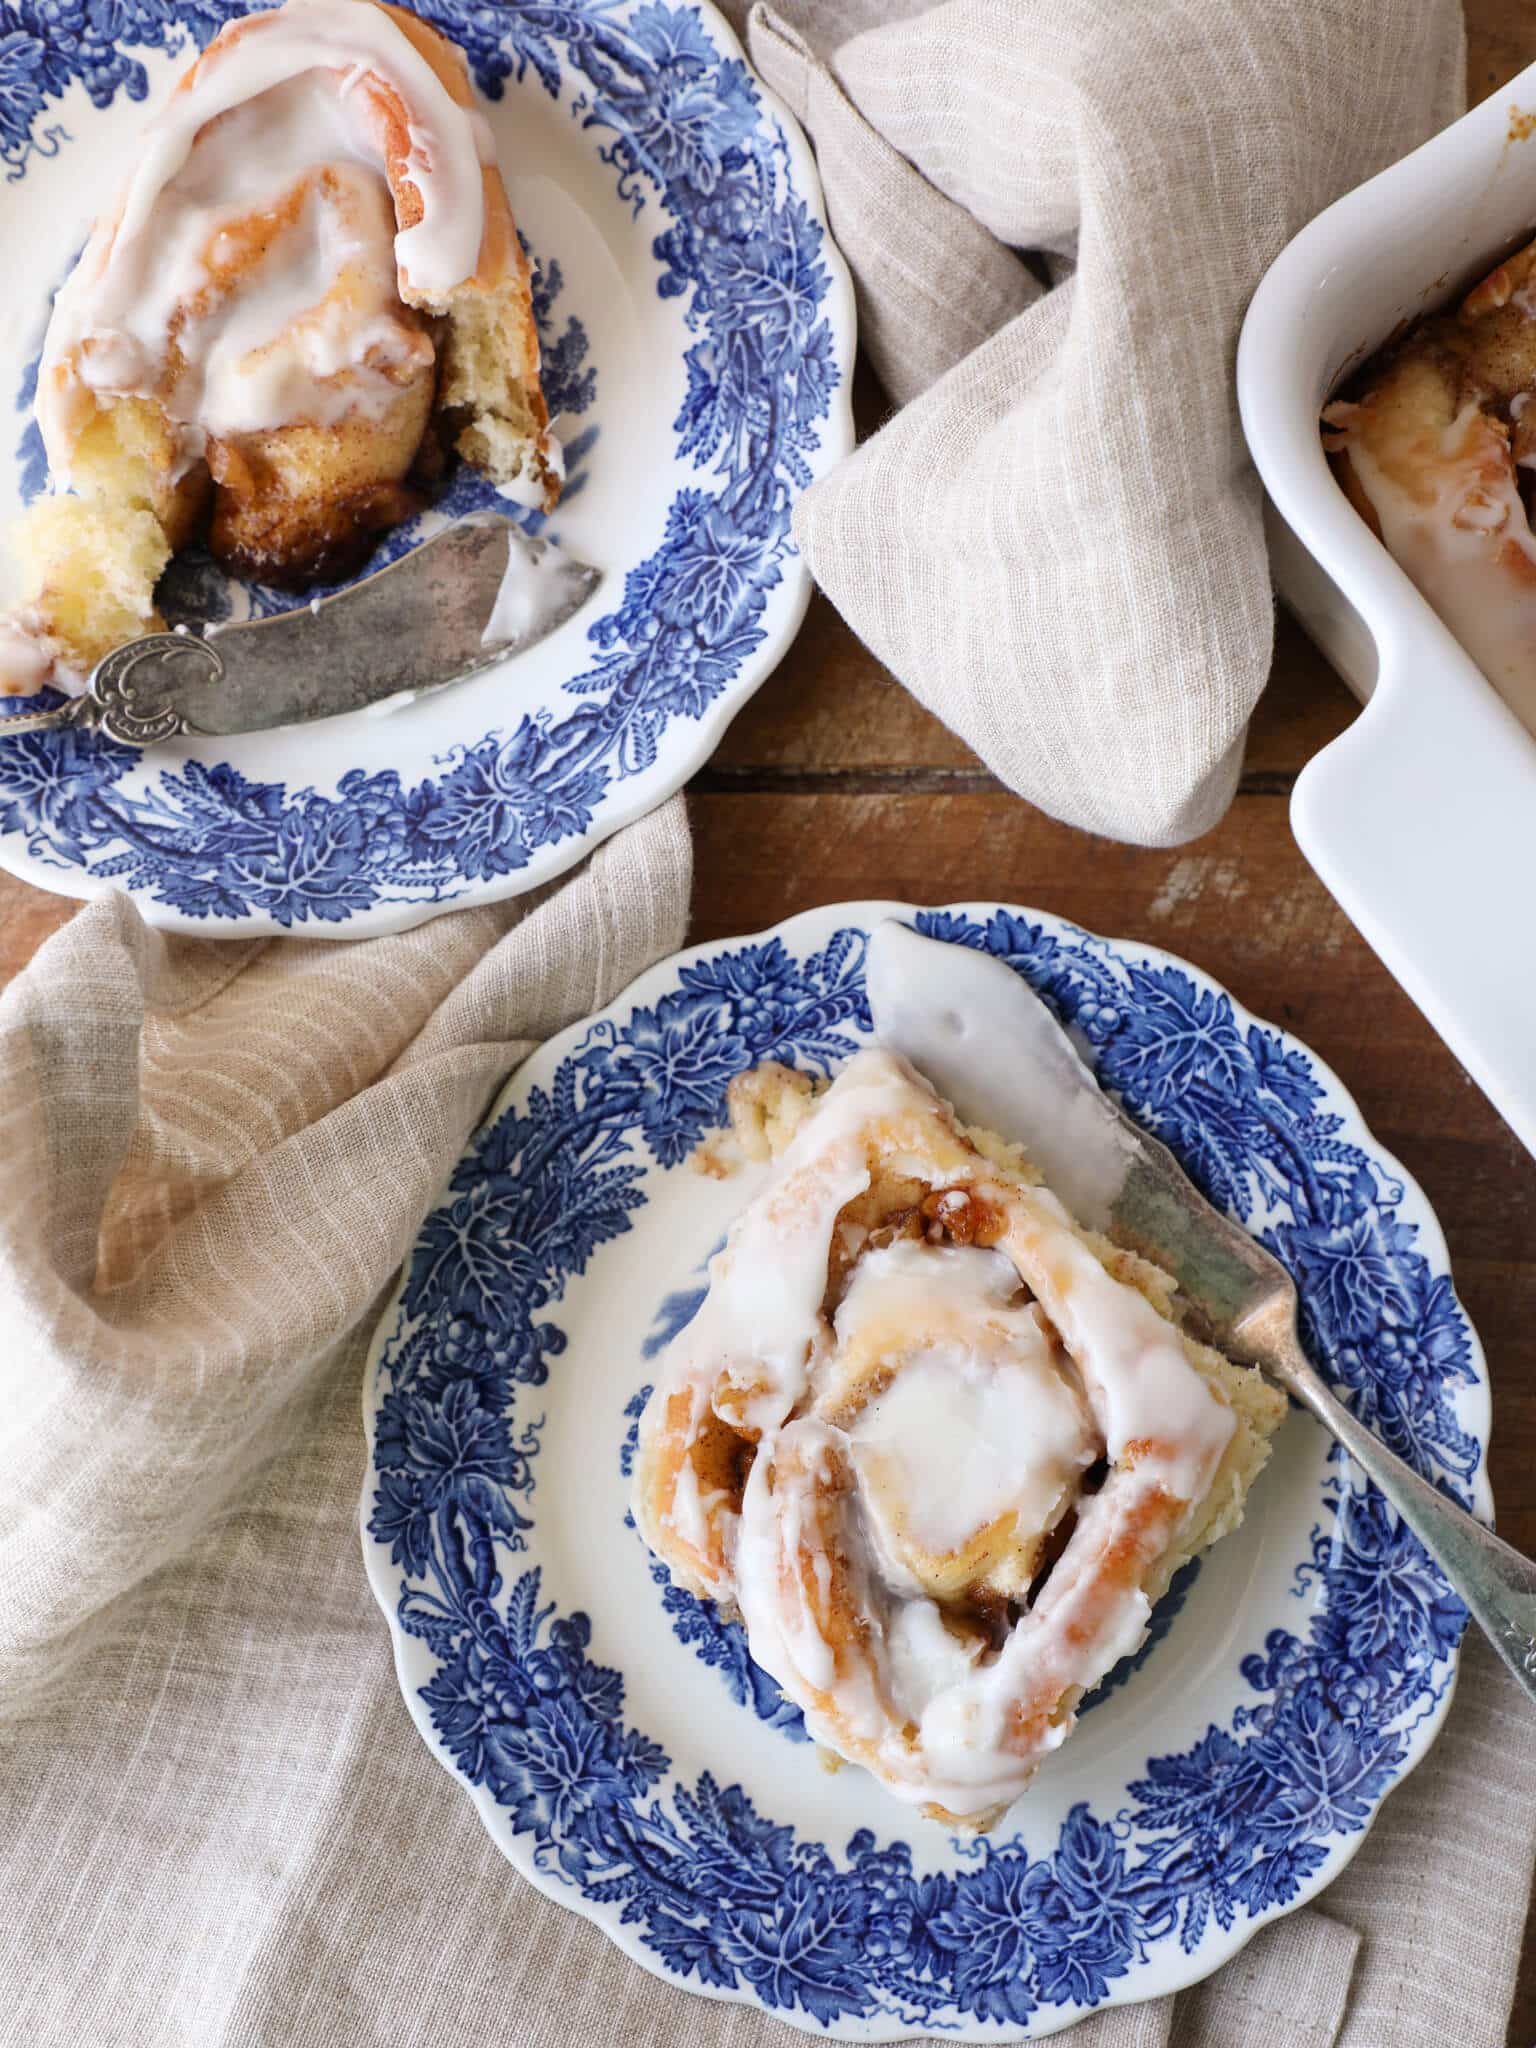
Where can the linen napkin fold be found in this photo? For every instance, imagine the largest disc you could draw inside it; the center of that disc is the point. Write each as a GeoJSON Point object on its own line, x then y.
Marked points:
{"type": "Point", "coordinates": [217, 1825]}
{"type": "Point", "coordinates": [215, 1156]}
{"type": "Point", "coordinates": [1056, 543]}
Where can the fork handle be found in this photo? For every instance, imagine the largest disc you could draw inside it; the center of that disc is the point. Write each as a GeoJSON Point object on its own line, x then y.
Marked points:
{"type": "Point", "coordinates": [15, 724]}
{"type": "Point", "coordinates": [1497, 1584]}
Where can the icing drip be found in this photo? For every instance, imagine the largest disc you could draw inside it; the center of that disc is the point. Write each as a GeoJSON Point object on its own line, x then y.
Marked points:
{"type": "Point", "coordinates": [527, 488]}
{"type": "Point", "coordinates": [1459, 528]}
{"type": "Point", "coordinates": [532, 589]}
{"type": "Point", "coordinates": [27, 657]}
{"type": "Point", "coordinates": [251, 276]}
{"type": "Point", "coordinates": [911, 1454]}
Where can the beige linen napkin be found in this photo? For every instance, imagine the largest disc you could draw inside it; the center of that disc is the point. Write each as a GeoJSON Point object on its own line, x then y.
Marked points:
{"type": "Point", "coordinates": [1056, 542]}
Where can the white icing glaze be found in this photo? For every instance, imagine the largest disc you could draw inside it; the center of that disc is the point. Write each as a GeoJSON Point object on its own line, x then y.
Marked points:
{"type": "Point", "coordinates": [762, 1321]}
{"type": "Point", "coordinates": [1140, 1383]}
{"type": "Point", "coordinates": [533, 587]}
{"type": "Point", "coordinates": [925, 1659]}
{"type": "Point", "coordinates": [354, 41]}
{"type": "Point", "coordinates": [527, 488]}
{"type": "Point", "coordinates": [26, 659]}
{"type": "Point", "coordinates": [1066, 1642]}
{"type": "Point", "coordinates": [947, 1009]}
{"type": "Point", "coordinates": [801, 1643]}
{"type": "Point", "coordinates": [978, 1420]}
{"type": "Point", "coordinates": [524, 489]}
{"type": "Point", "coordinates": [309, 329]}
{"type": "Point", "coordinates": [1462, 535]}
{"type": "Point", "coordinates": [316, 335]}
{"type": "Point", "coordinates": [692, 1510]}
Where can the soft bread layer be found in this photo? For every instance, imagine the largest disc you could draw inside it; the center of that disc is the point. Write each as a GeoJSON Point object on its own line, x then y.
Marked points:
{"type": "Point", "coordinates": [489, 388]}
{"type": "Point", "coordinates": [89, 572]}
{"type": "Point", "coordinates": [490, 383]}
{"type": "Point", "coordinates": [89, 564]}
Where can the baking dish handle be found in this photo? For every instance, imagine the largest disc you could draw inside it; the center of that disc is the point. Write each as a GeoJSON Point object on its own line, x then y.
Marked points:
{"type": "Point", "coordinates": [1436, 865]}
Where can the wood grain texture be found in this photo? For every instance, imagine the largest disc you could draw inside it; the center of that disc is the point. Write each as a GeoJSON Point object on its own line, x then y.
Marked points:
{"type": "Point", "coordinates": [27, 917]}
{"type": "Point", "coordinates": [1501, 40]}
{"type": "Point", "coordinates": [833, 783]}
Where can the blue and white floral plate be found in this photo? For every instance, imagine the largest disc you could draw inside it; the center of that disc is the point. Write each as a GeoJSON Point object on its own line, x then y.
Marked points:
{"type": "Point", "coordinates": [616, 1739]}
{"type": "Point", "coordinates": [698, 329]}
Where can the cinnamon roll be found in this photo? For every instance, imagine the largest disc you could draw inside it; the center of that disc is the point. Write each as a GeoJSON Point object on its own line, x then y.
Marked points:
{"type": "Point", "coordinates": [309, 287]}
{"type": "Point", "coordinates": [939, 1448]}
{"type": "Point", "coordinates": [1435, 448]}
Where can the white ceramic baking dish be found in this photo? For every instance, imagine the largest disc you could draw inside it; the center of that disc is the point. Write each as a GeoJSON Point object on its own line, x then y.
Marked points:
{"type": "Point", "coordinates": [1421, 818]}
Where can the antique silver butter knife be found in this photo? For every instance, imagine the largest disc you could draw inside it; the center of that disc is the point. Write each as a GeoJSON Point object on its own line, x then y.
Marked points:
{"type": "Point", "coordinates": [992, 1048]}
{"type": "Point", "coordinates": [476, 594]}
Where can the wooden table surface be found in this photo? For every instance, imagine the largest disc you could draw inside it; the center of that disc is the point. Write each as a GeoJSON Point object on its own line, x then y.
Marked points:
{"type": "Point", "coordinates": [833, 784]}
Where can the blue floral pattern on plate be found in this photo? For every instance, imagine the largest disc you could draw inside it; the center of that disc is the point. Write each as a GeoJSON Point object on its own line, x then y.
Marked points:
{"type": "Point", "coordinates": [677, 119]}
{"type": "Point", "coordinates": [1181, 1860]}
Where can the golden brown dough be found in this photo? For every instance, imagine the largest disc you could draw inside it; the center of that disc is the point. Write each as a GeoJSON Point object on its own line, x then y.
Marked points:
{"type": "Point", "coordinates": [1435, 446]}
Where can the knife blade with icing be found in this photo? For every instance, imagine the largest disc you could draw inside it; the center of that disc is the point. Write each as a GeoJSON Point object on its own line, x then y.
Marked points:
{"type": "Point", "coordinates": [473, 596]}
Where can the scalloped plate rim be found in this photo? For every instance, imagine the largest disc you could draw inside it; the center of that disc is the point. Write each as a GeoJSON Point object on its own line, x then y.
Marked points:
{"type": "Point", "coordinates": [1342, 1849]}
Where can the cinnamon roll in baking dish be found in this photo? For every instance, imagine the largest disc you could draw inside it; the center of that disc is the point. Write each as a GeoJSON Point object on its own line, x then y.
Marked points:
{"type": "Point", "coordinates": [940, 1449]}
{"type": "Point", "coordinates": [1435, 447]}
{"type": "Point", "coordinates": [309, 286]}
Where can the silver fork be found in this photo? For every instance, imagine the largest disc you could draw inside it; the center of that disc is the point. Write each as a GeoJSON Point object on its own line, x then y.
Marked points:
{"type": "Point", "coordinates": [987, 1043]}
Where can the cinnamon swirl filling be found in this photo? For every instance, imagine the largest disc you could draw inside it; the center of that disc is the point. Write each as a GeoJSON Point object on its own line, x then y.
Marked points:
{"type": "Point", "coordinates": [939, 1449]}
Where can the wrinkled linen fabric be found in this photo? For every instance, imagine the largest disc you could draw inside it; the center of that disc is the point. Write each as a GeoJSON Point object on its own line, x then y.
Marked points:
{"type": "Point", "coordinates": [213, 1157]}
{"type": "Point", "coordinates": [1055, 543]}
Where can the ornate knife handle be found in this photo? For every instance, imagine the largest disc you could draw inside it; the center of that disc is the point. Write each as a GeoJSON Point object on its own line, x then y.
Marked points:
{"type": "Point", "coordinates": [132, 693]}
